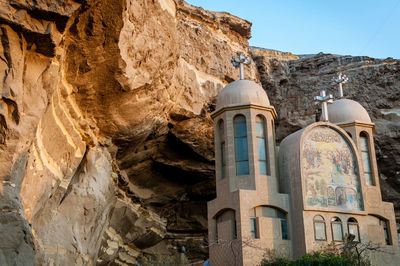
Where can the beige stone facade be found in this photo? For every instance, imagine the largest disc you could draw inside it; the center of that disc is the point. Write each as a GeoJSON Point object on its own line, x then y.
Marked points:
{"type": "Point", "coordinates": [322, 185]}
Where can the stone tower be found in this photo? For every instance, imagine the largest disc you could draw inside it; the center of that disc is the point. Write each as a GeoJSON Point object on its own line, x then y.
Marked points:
{"type": "Point", "coordinates": [249, 215]}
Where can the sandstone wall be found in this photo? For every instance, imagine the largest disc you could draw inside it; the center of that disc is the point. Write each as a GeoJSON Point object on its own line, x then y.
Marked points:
{"type": "Point", "coordinates": [106, 142]}
{"type": "Point", "coordinates": [106, 152]}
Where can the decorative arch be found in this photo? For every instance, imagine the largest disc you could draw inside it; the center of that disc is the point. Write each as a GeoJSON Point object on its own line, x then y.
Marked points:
{"type": "Point", "coordinates": [366, 158]}
{"type": "Point", "coordinates": [330, 172]}
{"type": "Point", "coordinates": [241, 145]}
{"type": "Point", "coordinates": [225, 221]}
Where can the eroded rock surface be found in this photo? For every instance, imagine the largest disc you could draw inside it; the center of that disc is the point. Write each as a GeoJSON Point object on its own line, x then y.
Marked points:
{"type": "Point", "coordinates": [291, 82]}
{"type": "Point", "coordinates": [106, 141]}
{"type": "Point", "coordinates": [105, 133]}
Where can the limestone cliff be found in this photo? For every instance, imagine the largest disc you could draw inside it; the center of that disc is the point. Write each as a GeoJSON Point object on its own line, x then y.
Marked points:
{"type": "Point", "coordinates": [106, 142]}
{"type": "Point", "coordinates": [106, 152]}
{"type": "Point", "coordinates": [292, 82]}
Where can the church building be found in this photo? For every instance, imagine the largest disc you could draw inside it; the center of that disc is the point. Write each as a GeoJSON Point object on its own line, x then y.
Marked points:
{"type": "Point", "coordinates": [319, 187]}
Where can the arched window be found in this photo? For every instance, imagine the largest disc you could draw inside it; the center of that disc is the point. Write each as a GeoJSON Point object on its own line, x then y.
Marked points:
{"type": "Point", "coordinates": [366, 158]}
{"type": "Point", "coordinates": [221, 132]}
{"type": "Point", "coordinates": [337, 229]}
{"type": "Point", "coordinates": [352, 226]}
{"type": "Point", "coordinates": [386, 231]}
{"type": "Point", "coordinates": [226, 225]}
{"type": "Point", "coordinates": [319, 228]}
{"type": "Point", "coordinates": [241, 147]}
{"type": "Point", "coordinates": [272, 212]}
{"type": "Point", "coordinates": [261, 145]}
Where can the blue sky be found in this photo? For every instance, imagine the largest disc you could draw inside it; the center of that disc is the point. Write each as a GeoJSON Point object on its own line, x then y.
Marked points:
{"type": "Point", "coordinates": [352, 27]}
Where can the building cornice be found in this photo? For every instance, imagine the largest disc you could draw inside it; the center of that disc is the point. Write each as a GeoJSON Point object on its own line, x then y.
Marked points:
{"type": "Point", "coordinates": [270, 109]}
{"type": "Point", "coordinates": [357, 124]}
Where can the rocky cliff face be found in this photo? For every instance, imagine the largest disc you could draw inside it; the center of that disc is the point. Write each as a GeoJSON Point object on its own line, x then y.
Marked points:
{"type": "Point", "coordinates": [106, 142]}
{"type": "Point", "coordinates": [291, 82]}
{"type": "Point", "coordinates": [106, 152]}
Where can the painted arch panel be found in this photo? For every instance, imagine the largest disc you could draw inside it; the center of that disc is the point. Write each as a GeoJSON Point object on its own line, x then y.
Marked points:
{"type": "Point", "coordinates": [330, 171]}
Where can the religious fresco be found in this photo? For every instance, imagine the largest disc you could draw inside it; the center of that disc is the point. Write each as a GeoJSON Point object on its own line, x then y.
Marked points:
{"type": "Point", "coordinates": [330, 171]}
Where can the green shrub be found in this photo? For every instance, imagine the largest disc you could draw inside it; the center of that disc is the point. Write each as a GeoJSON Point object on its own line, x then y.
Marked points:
{"type": "Point", "coordinates": [312, 259]}
{"type": "Point", "coordinates": [276, 262]}
{"type": "Point", "coordinates": [323, 259]}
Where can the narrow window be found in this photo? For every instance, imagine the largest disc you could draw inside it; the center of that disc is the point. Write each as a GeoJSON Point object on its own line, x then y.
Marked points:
{"type": "Point", "coordinates": [216, 229]}
{"type": "Point", "coordinates": [261, 145]}
{"type": "Point", "coordinates": [241, 147]}
{"type": "Point", "coordinates": [221, 130]}
{"type": "Point", "coordinates": [386, 232]}
{"type": "Point", "coordinates": [352, 226]}
{"type": "Point", "coordinates": [234, 229]}
{"type": "Point", "coordinates": [319, 228]}
{"type": "Point", "coordinates": [284, 225]}
{"type": "Point", "coordinates": [337, 229]}
{"type": "Point", "coordinates": [365, 155]}
{"type": "Point", "coordinates": [253, 228]}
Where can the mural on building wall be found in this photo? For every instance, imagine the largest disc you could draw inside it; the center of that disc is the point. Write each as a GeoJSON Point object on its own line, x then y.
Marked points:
{"type": "Point", "coordinates": [330, 171]}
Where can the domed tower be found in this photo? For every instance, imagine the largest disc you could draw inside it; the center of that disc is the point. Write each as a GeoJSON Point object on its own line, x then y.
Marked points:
{"type": "Point", "coordinates": [248, 208]}
{"type": "Point", "coordinates": [354, 119]}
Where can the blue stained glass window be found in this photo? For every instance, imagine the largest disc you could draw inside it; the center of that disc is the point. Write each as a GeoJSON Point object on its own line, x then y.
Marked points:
{"type": "Point", "coordinates": [241, 149]}
{"type": "Point", "coordinates": [262, 153]}
{"type": "Point", "coordinates": [242, 168]}
{"type": "Point", "coordinates": [240, 126]}
{"type": "Point", "coordinates": [241, 146]}
{"type": "Point", "coordinates": [263, 167]}
{"type": "Point", "coordinates": [260, 127]}
{"type": "Point", "coordinates": [284, 228]}
{"type": "Point", "coordinates": [365, 155]}
{"type": "Point", "coordinates": [261, 149]}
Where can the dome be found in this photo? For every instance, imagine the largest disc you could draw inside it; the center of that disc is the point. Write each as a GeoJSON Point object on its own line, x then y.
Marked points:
{"type": "Point", "coordinates": [242, 92]}
{"type": "Point", "coordinates": [347, 111]}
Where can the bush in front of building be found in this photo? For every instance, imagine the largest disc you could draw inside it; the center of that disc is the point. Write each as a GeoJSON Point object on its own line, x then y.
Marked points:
{"type": "Point", "coordinates": [276, 262]}
{"type": "Point", "coordinates": [312, 259]}
{"type": "Point", "coordinates": [326, 259]}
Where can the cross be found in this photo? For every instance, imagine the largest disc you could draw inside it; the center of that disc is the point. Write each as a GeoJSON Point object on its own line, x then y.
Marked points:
{"type": "Point", "coordinates": [239, 61]}
{"type": "Point", "coordinates": [324, 99]}
{"type": "Point", "coordinates": [340, 79]}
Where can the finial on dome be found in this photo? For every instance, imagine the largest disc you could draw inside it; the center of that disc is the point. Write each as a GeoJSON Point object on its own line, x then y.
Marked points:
{"type": "Point", "coordinates": [339, 80]}
{"type": "Point", "coordinates": [239, 61]}
{"type": "Point", "coordinates": [324, 99]}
